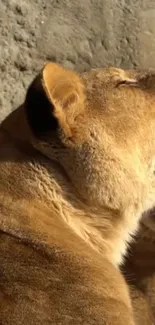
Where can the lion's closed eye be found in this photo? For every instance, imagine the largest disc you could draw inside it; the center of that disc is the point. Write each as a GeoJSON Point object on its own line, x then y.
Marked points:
{"type": "Point", "coordinates": [129, 83]}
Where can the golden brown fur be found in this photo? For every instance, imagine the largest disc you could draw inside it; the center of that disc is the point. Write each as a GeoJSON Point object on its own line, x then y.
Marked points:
{"type": "Point", "coordinates": [139, 271]}
{"type": "Point", "coordinates": [76, 173]}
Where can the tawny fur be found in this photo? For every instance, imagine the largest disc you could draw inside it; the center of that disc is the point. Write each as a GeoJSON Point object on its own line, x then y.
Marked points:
{"type": "Point", "coordinates": [76, 173]}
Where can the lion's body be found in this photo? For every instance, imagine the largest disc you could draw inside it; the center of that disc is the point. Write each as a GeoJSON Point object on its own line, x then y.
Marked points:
{"type": "Point", "coordinates": [75, 177]}
{"type": "Point", "coordinates": [48, 274]}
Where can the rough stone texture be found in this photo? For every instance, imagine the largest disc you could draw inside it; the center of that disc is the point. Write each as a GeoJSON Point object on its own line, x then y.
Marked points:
{"type": "Point", "coordinates": [76, 33]}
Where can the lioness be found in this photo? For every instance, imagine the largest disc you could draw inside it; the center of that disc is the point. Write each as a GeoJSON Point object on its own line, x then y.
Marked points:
{"type": "Point", "coordinates": [139, 271]}
{"type": "Point", "coordinates": [76, 174]}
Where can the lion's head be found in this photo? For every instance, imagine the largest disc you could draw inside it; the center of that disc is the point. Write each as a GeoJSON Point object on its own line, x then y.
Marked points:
{"type": "Point", "coordinates": [100, 127]}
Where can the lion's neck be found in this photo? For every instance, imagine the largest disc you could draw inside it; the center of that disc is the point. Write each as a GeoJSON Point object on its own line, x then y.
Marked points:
{"type": "Point", "coordinates": [104, 230]}
{"type": "Point", "coordinates": [104, 234]}
{"type": "Point", "coordinates": [111, 238]}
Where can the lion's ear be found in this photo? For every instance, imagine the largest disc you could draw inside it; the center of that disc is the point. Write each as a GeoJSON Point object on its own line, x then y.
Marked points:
{"type": "Point", "coordinates": [63, 87]}
{"type": "Point", "coordinates": [51, 99]}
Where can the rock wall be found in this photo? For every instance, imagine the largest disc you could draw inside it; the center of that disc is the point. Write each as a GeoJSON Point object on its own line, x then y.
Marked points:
{"type": "Point", "coordinates": [77, 33]}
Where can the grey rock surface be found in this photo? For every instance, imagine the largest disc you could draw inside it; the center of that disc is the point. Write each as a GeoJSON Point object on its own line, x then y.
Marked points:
{"type": "Point", "coordinates": [76, 33]}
